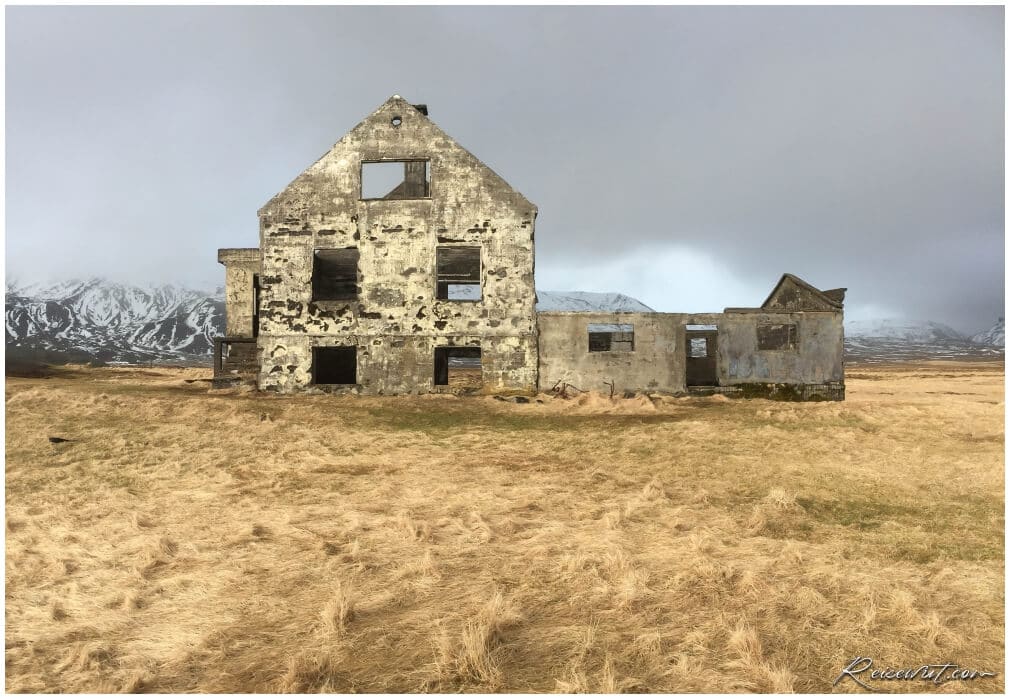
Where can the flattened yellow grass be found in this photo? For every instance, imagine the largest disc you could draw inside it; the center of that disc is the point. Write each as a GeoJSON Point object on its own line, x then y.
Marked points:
{"type": "Point", "coordinates": [189, 540]}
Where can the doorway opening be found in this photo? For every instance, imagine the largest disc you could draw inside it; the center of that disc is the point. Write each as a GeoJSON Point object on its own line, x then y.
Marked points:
{"type": "Point", "coordinates": [256, 306]}
{"type": "Point", "coordinates": [700, 349]}
{"type": "Point", "coordinates": [458, 368]}
{"type": "Point", "coordinates": [333, 366]}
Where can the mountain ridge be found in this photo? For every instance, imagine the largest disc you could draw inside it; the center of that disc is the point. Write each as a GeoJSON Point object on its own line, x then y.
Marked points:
{"type": "Point", "coordinates": [994, 336]}
{"type": "Point", "coordinates": [122, 323]}
{"type": "Point", "coordinates": [589, 301]}
{"type": "Point", "coordinates": [113, 322]}
{"type": "Point", "coordinates": [900, 339]}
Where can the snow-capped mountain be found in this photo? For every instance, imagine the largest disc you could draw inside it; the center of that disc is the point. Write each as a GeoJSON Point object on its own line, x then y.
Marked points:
{"type": "Point", "coordinates": [993, 337]}
{"type": "Point", "coordinates": [114, 322]}
{"type": "Point", "coordinates": [111, 322]}
{"type": "Point", "coordinates": [919, 331]}
{"type": "Point", "coordinates": [888, 339]}
{"type": "Point", "coordinates": [588, 302]}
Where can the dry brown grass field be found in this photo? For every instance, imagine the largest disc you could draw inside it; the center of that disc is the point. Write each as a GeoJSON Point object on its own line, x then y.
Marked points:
{"type": "Point", "coordinates": [189, 540]}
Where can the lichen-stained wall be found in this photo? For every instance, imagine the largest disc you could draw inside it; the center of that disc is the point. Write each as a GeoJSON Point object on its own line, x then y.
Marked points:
{"type": "Point", "coordinates": [404, 364]}
{"type": "Point", "coordinates": [817, 359]}
{"type": "Point", "coordinates": [396, 321]}
{"type": "Point", "coordinates": [241, 265]}
{"type": "Point", "coordinates": [656, 364]}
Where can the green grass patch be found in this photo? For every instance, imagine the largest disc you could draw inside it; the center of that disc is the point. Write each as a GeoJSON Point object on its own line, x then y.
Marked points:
{"type": "Point", "coordinates": [963, 528]}
{"type": "Point", "coordinates": [441, 420]}
{"type": "Point", "coordinates": [952, 548]}
{"type": "Point", "coordinates": [861, 514]}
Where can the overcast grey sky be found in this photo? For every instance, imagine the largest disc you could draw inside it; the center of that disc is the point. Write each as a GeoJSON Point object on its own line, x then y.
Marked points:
{"type": "Point", "coordinates": [684, 155]}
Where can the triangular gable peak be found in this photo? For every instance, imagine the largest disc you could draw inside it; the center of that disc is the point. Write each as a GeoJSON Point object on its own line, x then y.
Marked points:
{"type": "Point", "coordinates": [397, 130]}
{"type": "Point", "coordinates": [836, 295]}
{"type": "Point", "coordinates": [794, 294]}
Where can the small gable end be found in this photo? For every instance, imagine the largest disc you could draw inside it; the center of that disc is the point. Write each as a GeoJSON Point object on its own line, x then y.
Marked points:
{"type": "Point", "coordinates": [793, 294]}
{"type": "Point", "coordinates": [836, 295]}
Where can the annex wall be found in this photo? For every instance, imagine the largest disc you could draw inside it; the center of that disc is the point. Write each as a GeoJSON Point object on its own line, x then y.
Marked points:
{"type": "Point", "coordinates": [817, 359]}
{"type": "Point", "coordinates": [655, 364]}
{"type": "Point", "coordinates": [241, 265]}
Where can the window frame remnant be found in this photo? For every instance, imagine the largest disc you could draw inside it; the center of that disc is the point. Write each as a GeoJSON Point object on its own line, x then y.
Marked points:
{"type": "Point", "coordinates": [410, 186]}
{"type": "Point", "coordinates": [692, 347]}
{"type": "Point", "coordinates": [449, 259]}
{"type": "Point", "coordinates": [337, 354]}
{"type": "Point", "coordinates": [705, 333]}
{"type": "Point", "coordinates": [443, 357]}
{"type": "Point", "coordinates": [611, 337]}
{"type": "Point", "coordinates": [256, 305]}
{"type": "Point", "coordinates": [335, 274]}
{"type": "Point", "coordinates": [777, 337]}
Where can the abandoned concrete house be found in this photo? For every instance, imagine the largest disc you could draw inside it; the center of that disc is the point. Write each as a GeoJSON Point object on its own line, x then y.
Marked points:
{"type": "Point", "coordinates": [399, 263]}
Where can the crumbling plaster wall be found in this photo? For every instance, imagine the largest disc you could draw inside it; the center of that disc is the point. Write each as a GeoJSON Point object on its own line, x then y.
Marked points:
{"type": "Point", "coordinates": [241, 265]}
{"type": "Point", "coordinates": [396, 321]}
{"type": "Point", "coordinates": [817, 360]}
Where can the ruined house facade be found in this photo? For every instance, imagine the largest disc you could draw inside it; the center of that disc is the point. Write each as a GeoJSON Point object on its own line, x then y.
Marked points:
{"type": "Point", "coordinates": [400, 263]}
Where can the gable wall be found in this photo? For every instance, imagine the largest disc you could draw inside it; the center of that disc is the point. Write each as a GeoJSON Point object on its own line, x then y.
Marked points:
{"type": "Point", "coordinates": [790, 296]}
{"type": "Point", "coordinates": [396, 320]}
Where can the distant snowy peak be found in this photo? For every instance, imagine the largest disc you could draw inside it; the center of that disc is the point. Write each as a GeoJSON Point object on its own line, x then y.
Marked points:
{"type": "Point", "coordinates": [993, 337]}
{"type": "Point", "coordinates": [915, 331]}
{"type": "Point", "coordinates": [589, 302]}
{"type": "Point", "coordinates": [109, 304]}
{"type": "Point", "coordinates": [191, 328]}
{"type": "Point", "coordinates": [889, 339]}
{"type": "Point", "coordinates": [114, 322]}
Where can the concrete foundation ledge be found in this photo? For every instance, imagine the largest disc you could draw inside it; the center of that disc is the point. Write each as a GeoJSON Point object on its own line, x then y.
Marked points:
{"type": "Point", "coordinates": [231, 381]}
{"type": "Point", "coordinates": [833, 390]}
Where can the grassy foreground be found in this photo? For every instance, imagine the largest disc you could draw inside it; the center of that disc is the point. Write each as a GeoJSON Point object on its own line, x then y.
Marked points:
{"type": "Point", "coordinates": [223, 541]}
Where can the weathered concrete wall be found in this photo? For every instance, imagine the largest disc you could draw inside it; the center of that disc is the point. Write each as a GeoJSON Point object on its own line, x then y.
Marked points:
{"type": "Point", "coordinates": [241, 265]}
{"type": "Point", "coordinates": [396, 321]}
{"type": "Point", "coordinates": [816, 360]}
{"type": "Point", "coordinates": [656, 364]}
